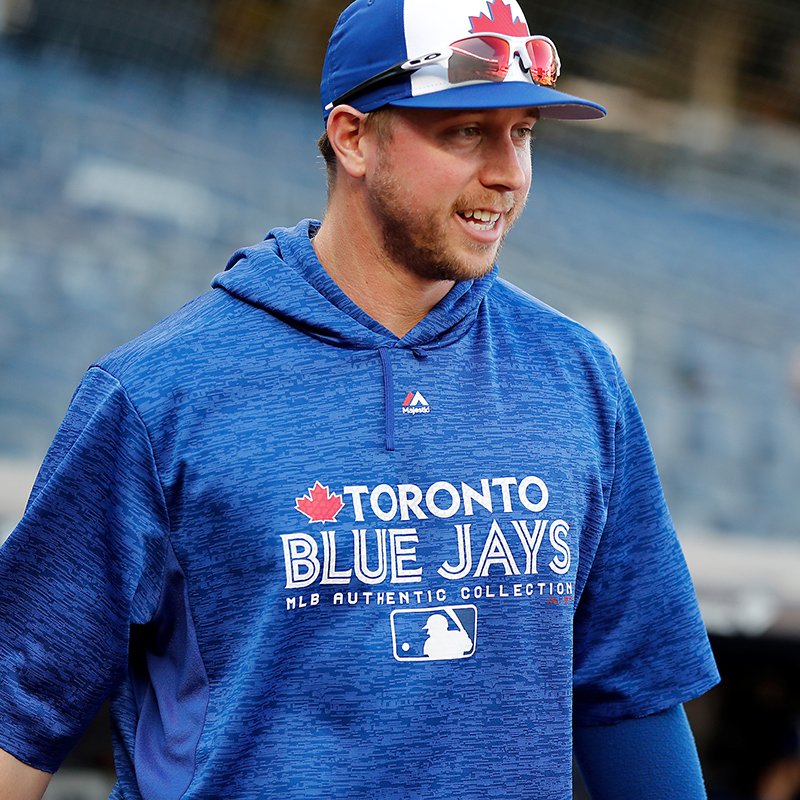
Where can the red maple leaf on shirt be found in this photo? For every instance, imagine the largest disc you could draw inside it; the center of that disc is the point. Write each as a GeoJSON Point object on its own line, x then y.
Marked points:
{"type": "Point", "coordinates": [320, 504]}
{"type": "Point", "coordinates": [500, 20]}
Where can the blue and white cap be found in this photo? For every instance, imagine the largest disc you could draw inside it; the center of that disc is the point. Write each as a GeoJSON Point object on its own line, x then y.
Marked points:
{"type": "Point", "coordinates": [374, 35]}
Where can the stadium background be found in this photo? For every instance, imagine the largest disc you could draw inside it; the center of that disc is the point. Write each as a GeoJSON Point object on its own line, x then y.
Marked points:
{"type": "Point", "coordinates": [141, 142]}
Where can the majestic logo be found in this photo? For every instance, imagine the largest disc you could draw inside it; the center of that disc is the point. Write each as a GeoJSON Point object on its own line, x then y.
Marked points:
{"type": "Point", "coordinates": [444, 633]}
{"type": "Point", "coordinates": [500, 20]}
{"type": "Point", "coordinates": [320, 504]}
{"type": "Point", "coordinates": [415, 403]}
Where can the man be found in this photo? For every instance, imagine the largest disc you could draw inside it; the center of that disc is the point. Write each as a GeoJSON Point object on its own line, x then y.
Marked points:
{"type": "Point", "coordinates": [252, 512]}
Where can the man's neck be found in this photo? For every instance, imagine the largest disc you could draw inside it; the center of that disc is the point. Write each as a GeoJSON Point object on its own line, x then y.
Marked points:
{"type": "Point", "coordinates": [356, 260]}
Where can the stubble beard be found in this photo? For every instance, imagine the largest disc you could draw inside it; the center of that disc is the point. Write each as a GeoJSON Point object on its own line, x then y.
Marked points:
{"type": "Point", "coordinates": [417, 241]}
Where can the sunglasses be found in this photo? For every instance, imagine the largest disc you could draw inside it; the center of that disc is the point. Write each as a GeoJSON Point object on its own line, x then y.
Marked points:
{"type": "Point", "coordinates": [483, 57]}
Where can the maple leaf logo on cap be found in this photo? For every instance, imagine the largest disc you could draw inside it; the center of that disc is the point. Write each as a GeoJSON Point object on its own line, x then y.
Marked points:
{"type": "Point", "coordinates": [320, 504]}
{"type": "Point", "coordinates": [500, 20]}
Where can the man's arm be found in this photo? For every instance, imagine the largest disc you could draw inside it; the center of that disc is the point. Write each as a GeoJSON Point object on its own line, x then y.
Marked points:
{"type": "Point", "coordinates": [652, 758]}
{"type": "Point", "coordinates": [18, 781]}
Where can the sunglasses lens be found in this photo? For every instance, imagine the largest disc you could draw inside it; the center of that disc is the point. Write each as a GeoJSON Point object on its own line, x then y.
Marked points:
{"type": "Point", "coordinates": [544, 69]}
{"type": "Point", "coordinates": [482, 58]}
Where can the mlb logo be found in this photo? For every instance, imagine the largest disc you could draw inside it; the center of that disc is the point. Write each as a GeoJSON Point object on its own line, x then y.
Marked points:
{"type": "Point", "coordinates": [443, 633]}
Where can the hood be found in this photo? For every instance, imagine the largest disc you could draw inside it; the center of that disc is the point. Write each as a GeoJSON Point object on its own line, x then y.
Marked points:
{"type": "Point", "coordinates": [283, 276]}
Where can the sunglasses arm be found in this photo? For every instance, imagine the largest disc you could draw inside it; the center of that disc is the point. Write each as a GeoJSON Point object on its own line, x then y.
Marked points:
{"type": "Point", "coordinates": [412, 65]}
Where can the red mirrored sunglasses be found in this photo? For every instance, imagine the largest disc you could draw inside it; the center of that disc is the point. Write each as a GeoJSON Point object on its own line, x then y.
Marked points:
{"type": "Point", "coordinates": [483, 57]}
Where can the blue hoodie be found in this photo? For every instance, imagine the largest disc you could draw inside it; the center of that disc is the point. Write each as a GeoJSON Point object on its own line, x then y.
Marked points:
{"type": "Point", "coordinates": [308, 559]}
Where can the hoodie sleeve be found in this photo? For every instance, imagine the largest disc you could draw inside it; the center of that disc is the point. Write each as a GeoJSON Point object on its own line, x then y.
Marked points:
{"type": "Point", "coordinates": [640, 643]}
{"type": "Point", "coordinates": [83, 565]}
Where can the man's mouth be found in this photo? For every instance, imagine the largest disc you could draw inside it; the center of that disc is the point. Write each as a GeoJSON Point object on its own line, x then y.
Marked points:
{"type": "Point", "coordinates": [480, 219]}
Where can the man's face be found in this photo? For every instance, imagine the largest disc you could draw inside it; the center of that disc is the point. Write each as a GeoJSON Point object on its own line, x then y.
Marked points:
{"type": "Point", "coordinates": [445, 187]}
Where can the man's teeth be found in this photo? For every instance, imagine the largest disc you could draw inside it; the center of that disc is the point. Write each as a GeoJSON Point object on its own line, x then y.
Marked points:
{"type": "Point", "coordinates": [483, 220]}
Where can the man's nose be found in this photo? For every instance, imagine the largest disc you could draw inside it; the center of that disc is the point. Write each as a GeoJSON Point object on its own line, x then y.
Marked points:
{"type": "Point", "coordinates": [506, 165]}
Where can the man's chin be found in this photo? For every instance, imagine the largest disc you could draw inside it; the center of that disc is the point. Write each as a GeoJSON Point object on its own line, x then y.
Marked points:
{"type": "Point", "coordinates": [455, 269]}
{"type": "Point", "coordinates": [477, 262]}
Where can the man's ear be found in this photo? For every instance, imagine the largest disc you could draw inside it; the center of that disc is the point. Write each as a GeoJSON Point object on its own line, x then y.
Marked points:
{"type": "Point", "coordinates": [345, 132]}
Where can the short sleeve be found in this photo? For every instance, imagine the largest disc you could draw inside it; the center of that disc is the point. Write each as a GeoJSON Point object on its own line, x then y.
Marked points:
{"type": "Point", "coordinates": [83, 565]}
{"type": "Point", "coordinates": [640, 642]}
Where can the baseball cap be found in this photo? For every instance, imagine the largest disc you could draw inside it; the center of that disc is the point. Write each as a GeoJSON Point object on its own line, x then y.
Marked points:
{"type": "Point", "coordinates": [374, 35]}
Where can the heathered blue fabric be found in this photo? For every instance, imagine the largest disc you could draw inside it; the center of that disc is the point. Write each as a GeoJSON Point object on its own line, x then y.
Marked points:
{"type": "Point", "coordinates": [342, 619]}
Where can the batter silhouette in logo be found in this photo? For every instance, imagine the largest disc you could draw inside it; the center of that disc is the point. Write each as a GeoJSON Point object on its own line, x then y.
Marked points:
{"type": "Point", "coordinates": [445, 633]}
{"type": "Point", "coordinates": [444, 643]}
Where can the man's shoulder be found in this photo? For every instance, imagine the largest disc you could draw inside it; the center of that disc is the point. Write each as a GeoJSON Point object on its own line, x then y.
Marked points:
{"type": "Point", "coordinates": [160, 336]}
{"type": "Point", "coordinates": [533, 320]}
{"type": "Point", "coordinates": [187, 341]}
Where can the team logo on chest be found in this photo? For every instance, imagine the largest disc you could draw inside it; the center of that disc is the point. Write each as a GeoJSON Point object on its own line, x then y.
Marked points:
{"type": "Point", "coordinates": [319, 504]}
{"type": "Point", "coordinates": [428, 555]}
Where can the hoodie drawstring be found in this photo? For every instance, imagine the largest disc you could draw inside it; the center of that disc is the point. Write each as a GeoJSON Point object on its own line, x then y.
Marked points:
{"type": "Point", "coordinates": [420, 353]}
{"type": "Point", "coordinates": [388, 390]}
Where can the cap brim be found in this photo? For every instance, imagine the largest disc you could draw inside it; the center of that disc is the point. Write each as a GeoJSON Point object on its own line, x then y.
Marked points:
{"type": "Point", "coordinates": [551, 103]}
